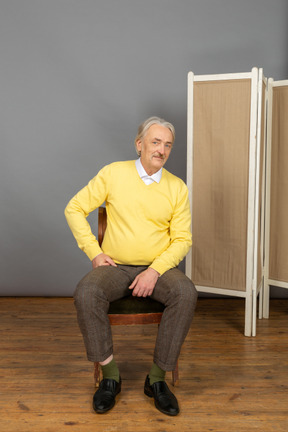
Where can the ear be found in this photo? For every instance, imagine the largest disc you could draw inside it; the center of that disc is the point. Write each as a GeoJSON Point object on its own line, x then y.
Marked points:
{"type": "Point", "coordinates": [139, 145]}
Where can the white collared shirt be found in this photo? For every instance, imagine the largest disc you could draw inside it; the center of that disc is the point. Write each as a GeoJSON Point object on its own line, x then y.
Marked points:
{"type": "Point", "coordinates": [144, 176]}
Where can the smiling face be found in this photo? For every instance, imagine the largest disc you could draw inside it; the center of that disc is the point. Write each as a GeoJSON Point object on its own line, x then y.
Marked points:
{"type": "Point", "coordinates": [155, 148]}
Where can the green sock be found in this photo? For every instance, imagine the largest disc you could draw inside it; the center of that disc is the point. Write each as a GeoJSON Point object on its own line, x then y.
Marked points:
{"type": "Point", "coordinates": [156, 374]}
{"type": "Point", "coordinates": [111, 371]}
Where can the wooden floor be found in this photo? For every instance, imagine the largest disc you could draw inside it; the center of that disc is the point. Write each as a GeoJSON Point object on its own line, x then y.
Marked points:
{"type": "Point", "coordinates": [228, 382]}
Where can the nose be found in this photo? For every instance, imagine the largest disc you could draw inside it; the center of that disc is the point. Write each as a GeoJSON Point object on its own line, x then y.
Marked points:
{"type": "Point", "coordinates": [161, 148]}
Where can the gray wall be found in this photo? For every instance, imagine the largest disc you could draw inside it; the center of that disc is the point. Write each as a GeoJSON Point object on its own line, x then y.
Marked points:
{"type": "Point", "coordinates": [77, 77]}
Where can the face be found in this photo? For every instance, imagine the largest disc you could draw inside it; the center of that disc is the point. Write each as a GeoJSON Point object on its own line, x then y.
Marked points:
{"type": "Point", "coordinates": [155, 148]}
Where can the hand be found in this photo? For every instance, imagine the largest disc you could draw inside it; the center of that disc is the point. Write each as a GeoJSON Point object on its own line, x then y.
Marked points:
{"type": "Point", "coordinates": [103, 260]}
{"type": "Point", "coordinates": [143, 285]}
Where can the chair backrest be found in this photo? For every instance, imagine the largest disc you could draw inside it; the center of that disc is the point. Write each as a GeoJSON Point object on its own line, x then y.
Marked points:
{"type": "Point", "coordinates": [102, 223]}
{"type": "Point", "coordinates": [129, 310]}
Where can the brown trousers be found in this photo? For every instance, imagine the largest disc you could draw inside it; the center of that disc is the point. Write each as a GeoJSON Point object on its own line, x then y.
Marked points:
{"type": "Point", "coordinates": [106, 284]}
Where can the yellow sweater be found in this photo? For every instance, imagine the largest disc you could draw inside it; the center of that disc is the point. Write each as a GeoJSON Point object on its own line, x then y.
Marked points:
{"type": "Point", "coordinates": [146, 225]}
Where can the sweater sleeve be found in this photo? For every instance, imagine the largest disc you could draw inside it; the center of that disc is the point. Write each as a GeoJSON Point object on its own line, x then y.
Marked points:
{"type": "Point", "coordinates": [80, 206]}
{"type": "Point", "coordinates": [180, 235]}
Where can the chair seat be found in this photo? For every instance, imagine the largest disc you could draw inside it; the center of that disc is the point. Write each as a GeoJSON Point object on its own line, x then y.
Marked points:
{"type": "Point", "coordinates": [135, 305]}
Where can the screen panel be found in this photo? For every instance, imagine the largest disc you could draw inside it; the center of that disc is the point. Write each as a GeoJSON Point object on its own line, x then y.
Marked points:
{"type": "Point", "coordinates": [278, 252]}
{"type": "Point", "coordinates": [221, 132]}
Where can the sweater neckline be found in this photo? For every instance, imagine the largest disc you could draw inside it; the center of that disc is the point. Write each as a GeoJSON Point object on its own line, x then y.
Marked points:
{"type": "Point", "coordinates": [142, 182]}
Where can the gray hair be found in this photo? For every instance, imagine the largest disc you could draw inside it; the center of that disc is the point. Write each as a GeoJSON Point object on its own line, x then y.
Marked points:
{"type": "Point", "coordinates": [143, 128]}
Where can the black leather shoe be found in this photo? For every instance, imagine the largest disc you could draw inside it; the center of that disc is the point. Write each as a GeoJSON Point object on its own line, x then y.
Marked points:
{"type": "Point", "coordinates": [164, 399]}
{"type": "Point", "coordinates": [104, 398]}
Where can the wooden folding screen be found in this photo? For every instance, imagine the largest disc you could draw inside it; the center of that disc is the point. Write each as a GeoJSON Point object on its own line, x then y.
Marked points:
{"type": "Point", "coordinates": [276, 227]}
{"type": "Point", "coordinates": [225, 149]}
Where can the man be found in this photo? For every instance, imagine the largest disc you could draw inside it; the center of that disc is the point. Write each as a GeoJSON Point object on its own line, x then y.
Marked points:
{"type": "Point", "coordinates": [147, 235]}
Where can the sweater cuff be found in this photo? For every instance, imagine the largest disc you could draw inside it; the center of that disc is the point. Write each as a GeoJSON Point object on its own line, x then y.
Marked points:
{"type": "Point", "coordinates": [92, 251]}
{"type": "Point", "coordinates": [160, 268]}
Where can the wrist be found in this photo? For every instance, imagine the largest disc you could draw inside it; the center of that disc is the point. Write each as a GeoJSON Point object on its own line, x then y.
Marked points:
{"type": "Point", "coordinates": [100, 253]}
{"type": "Point", "coordinates": [154, 271]}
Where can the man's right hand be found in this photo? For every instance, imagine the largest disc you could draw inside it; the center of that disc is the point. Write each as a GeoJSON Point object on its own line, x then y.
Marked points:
{"type": "Point", "coordinates": [103, 260]}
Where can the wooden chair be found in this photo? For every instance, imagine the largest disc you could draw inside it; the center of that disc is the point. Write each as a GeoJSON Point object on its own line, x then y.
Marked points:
{"type": "Point", "coordinates": [130, 310]}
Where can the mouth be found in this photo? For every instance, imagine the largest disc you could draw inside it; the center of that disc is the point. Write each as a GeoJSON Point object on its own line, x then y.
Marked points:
{"type": "Point", "coordinates": [158, 157]}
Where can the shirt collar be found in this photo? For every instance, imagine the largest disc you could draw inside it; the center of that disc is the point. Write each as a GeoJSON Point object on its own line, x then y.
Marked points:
{"type": "Point", "coordinates": [142, 173]}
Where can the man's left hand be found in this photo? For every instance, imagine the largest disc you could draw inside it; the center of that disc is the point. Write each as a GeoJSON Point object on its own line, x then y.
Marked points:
{"type": "Point", "coordinates": [143, 285]}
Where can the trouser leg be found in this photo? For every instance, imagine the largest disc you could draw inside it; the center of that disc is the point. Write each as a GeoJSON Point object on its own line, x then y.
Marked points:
{"type": "Point", "coordinates": [92, 298]}
{"type": "Point", "coordinates": [179, 295]}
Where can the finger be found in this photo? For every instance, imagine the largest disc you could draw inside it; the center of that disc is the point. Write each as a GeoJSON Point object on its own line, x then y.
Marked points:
{"type": "Point", "coordinates": [147, 293]}
{"type": "Point", "coordinates": [136, 292]}
{"type": "Point", "coordinates": [110, 262]}
{"type": "Point", "coordinates": [132, 286]}
{"type": "Point", "coordinates": [140, 292]}
{"type": "Point", "coordinates": [134, 283]}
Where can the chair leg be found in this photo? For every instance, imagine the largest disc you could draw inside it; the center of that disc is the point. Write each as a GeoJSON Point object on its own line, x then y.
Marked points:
{"type": "Point", "coordinates": [97, 374]}
{"type": "Point", "coordinates": [175, 375]}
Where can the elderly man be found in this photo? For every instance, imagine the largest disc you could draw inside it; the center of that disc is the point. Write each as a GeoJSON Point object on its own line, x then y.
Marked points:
{"type": "Point", "coordinates": [147, 235]}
